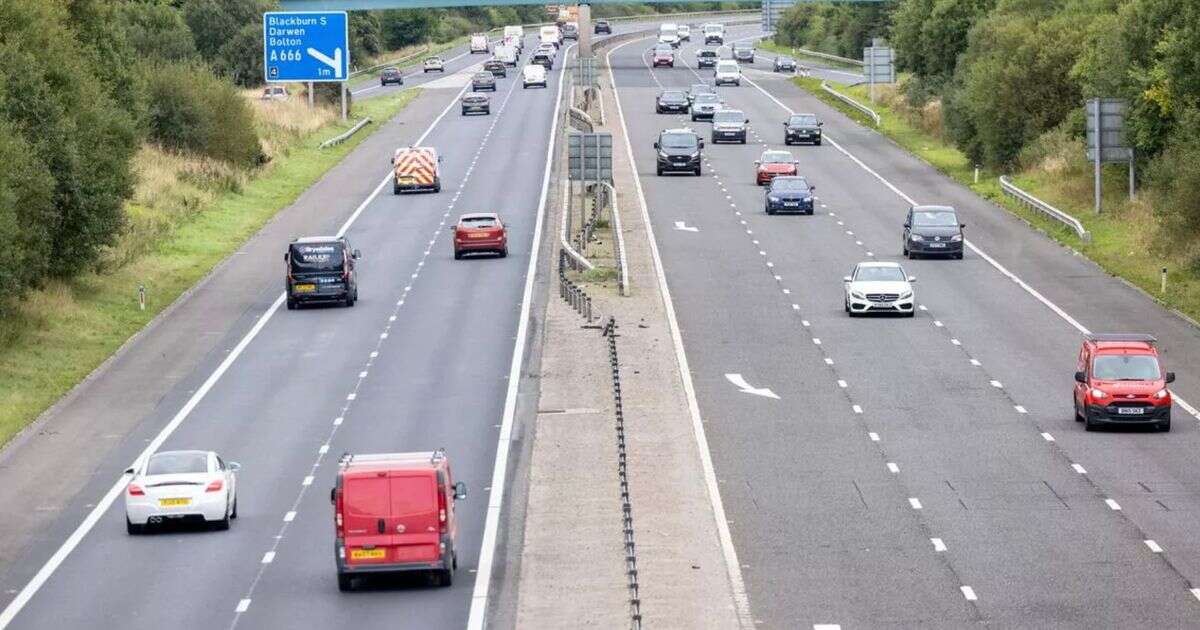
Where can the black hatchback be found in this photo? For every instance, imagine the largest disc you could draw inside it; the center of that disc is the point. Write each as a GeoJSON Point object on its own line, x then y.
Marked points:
{"type": "Point", "coordinates": [321, 269]}
{"type": "Point", "coordinates": [802, 128]}
{"type": "Point", "coordinates": [933, 231]}
{"type": "Point", "coordinates": [391, 75]}
{"type": "Point", "coordinates": [672, 101]}
{"type": "Point", "coordinates": [678, 151]}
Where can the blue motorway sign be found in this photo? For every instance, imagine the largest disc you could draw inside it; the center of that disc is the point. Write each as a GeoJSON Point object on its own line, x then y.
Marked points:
{"type": "Point", "coordinates": [306, 46]}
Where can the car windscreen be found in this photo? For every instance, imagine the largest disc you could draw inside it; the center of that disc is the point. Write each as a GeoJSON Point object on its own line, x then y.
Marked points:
{"type": "Point", "coordinates": [1125, 367]}
{"type": "Point", "coordinates": [880, 274]}
{"type": "Point", "coordinates": [478, 222]}
{"type": "Point", "coordinates": [729, 116]}
{"type": "Point", "coordinates": [484, 76]}
{"type": "Point", "coordinates": [789, 184]}
{"type": "Point", "coordinates": [707, 97]}
{"type": "Point", "coordinates": [433, 60]}
{"type": "Point", "coordinates": [938, 218]}
{"type": "Point", "coordinates": [177, 463]}
{"type": "Point", "coordinates": [776, 157]}
{"type": "Point", "coordinates": [803, 121]}
{"type": "Point", "coordinates": [391, 71]}
{"type": "Point", "coordinates": [727, 67]}
{"type": "Point", "coordinates": [678, 141]}
{"type": "Point", "coordinates": [663, 49]}
{"type": "Point", "coordinates": [707, 53]}
{"type": "Point", "coordinates": [673, 97]}
{"type": "Point", "coordinates": [316, 256]}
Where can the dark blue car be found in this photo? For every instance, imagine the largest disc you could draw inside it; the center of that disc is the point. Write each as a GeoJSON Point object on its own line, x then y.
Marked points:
{"type": "Point", "coordinates": [790, 193]}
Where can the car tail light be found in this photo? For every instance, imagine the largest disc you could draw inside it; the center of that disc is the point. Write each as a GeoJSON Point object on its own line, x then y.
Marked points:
{"type": "Point", "coordinates": [442, 509]}
{"type": "Point", "coordinates": [215, 485]}
{"type": "Point", "coordinates": [136, 490]}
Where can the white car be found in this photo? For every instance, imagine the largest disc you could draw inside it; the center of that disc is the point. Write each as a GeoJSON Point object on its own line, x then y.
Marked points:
{"type": "Point", "coordinates": [685, 33]}
{"type": "Point", "coordinates": [728, 73]}
{"type": "Point", "coordinates": [181, 486]}
{"type": "Point", "coordinates": [879, 287]}
{"type": "Point", "coordinates": [669, 34]}
{"type": "Point", "coordinates": [533, 74]}
{"type": "Point", "coordinates": [433, 64]}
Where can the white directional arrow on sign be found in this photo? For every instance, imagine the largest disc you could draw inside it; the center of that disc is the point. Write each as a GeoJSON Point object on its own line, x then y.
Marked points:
{"type": "Point", "coordinates": [745, 387]}
{"type": "Point", "coordinates": [681, 225]}
{"type": "Point", "coordinates": [334, 62]}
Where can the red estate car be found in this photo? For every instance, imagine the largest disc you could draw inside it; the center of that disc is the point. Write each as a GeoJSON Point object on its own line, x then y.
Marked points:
{"type": "Point", "coordinates": [394, 513]}
{"type": "Point", "coordinates": [664, 55]}
{"type": "Point", "coordinates": [480, 232]}
{"type": "Point", "coordinates": [1119, 380]}
{"type": "Point", "coordinates": [772, 164]}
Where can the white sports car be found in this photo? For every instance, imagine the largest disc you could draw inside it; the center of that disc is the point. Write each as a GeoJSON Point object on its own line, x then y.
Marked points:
{"type": "Point", "coordinates": [181, 486]}
{"type": "Point", "coordinates": [879, 287]}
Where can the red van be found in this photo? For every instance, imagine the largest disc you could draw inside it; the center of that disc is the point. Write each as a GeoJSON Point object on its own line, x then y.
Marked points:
{"type": "Point", "coordinates": [1119, 380]}
{"type": "Point", "coordinates": [394, 513]}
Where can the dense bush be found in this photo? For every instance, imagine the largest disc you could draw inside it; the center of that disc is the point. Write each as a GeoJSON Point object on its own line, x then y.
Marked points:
{"type": "Point", "coordinates": [192, 110]}
{"type": "Point", "coordinates": [841, 29]}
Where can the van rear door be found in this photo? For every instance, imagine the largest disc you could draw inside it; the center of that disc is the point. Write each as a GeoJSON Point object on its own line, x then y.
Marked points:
{"type": "Point", "coordinates": [415, 520]}
{"type": "Point", "coordinates": [367, 505]}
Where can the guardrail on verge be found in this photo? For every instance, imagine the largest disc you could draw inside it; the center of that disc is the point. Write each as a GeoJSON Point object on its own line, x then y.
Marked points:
{"type": "Point", "coordinates": [1037, 204]}
{"type": "Point", "coordinates": [583, 120]}
{"type": "Point", "coordinates": [851, 102]}
{"type": "Point", "coordinates": [344, 136]}
{"type": "Point", "coordinates": [606, 197]}
{"type": "Point", "coordinates": [820, 55]}
{"type": "Point", "coordinates": [630, 546]}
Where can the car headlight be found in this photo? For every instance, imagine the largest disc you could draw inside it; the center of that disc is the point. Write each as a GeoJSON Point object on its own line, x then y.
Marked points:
{"type": "Point", "coordinates": [807, 200]}
{"type": "Point", "coordinates": [772, 198]}
{"type": "Point", "coordinates": [1161, 394]}
{"type": "Point", "coordinates": [906, 295]}
{"type": "Point", "coordinates": [956, 238]}
{"type": "Point", "coordinates": [1098, 394]}
{"type": "Point", "coordinates": [856, 294]}
{"type": "Point", "coordinates": [663, 155]}
{"type": "Point", "coordinates": [916, 237]}
{"type": "Point", "coordinates": [695, 155]}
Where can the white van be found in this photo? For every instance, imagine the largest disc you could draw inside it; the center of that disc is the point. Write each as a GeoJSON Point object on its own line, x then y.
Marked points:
{"type": "Point", "coordinates": [507, 54]}
{"type": "Point", "coordinates": [714, 34]}
{"type": "Point", "coordinates": [533, 74]}
{"type": "Point", "coordinates": [550, 35]}
{"type": "Point", "coordinates": [669, 34]}
{"type": "Point", "coordinates": [728, 72]}
{"type": "Point", "coordinates": [479, 43]}
{"type": "Point", "coordinates": [685, 33]}
{"type": "Point", "coordinates": [514, 31]}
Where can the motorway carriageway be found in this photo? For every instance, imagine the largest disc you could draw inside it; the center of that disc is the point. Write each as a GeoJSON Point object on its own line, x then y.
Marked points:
{"type": "Point", "coordinates": [424, 360]}
{"type": "Point", "coordinates": [913, 472]}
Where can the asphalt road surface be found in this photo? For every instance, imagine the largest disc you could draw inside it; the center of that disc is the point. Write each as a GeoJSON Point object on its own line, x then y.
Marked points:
{"type": "Point", "coordinates": [913, 472]}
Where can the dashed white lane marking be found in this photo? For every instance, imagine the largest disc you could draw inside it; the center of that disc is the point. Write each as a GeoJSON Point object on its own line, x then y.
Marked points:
{"type": "Point", "coordinates": [374, 354]}
{"type": "Point", "coordinates": [338, 421]}
{"type": "Point", "coordinates": [914, 502]}
{"type": "Point", "coordinates": [816, 341]}
{"type": "Point", "coordinates": [968, 593]}
{"type": "Point", "coordinates": [268, 557]}
{"type": "Point", "coordinates": [938, 545]}
{"type": "Point", "coordinates": [242, 606]}
{"type": "Point", "coordinates": [827, 626]}
{"type": "Point", "coordinates": [324, 449]}
{"type": "Point", "coordinates": [828, 361]}
{"type": "Point", "coordinates": [956, 342]}
{"type": "Point", "coordinates": [1195, 592]}
{"type": "Point", "coordinates": [289, 517]}
{"type": "Point", "coordinates": [857, 409]}
{"type": "Point", "coordinates": [804, 322]}
{"type": "Point", "coordinates": [1047, 437]}
{"type": "Point", "coordinates": [795, 307]}
{"type": "Point", "coordinates": [351, 396]}
{"type": "Point", "coordinates": [1153, 546]}
{"type": "Point", "coordinates": [975, 362]}
{"type": "Point", "coordinates": [308, 480]}
{"type": "Point", "coordinates": [893, 468]}
{"type": "Point", "coordinates": [1020, 409]}
{"type": "Point", "coordinates": [1079, 469]}
{"type": "Point", "coordinates": [1112, 505]}
{"type": "Point", "coordinates": [938, 323]}
{"type": "Point", "coordinates": [842, 384]}
{"type": "Point", "coordinates": [362, 374]}
{"type": "Point", "coordinates": [996, 384]}
{"type": "Point", "coordinates": [874, 436]}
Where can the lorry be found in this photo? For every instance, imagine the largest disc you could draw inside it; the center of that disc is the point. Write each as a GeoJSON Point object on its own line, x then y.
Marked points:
{"type": "Point", "coordinates": [669, 34]}
{"type": "Point", "coordinates": [517, 33]}
{"type": "Point", "coordinates": [567, 13]}
{"type": "Point", "coordinates": [415, 169]}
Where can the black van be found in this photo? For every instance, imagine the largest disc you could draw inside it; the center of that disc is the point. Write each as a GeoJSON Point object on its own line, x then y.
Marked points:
{"type": "Point", "coordinates": [321, 269]}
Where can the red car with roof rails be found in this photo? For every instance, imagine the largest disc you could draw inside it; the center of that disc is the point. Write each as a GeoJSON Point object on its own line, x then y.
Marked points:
{"type": "Point", "coordinates": [394, 513]}
{"type": "Point", "coordinates": [480, 232]}
{"type": "Point", "coordinates": [1120, 381]}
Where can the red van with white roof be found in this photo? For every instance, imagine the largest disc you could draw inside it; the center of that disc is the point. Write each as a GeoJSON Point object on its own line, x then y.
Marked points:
{"type": "Point", "coordinates": [1119, 380]}
{"type": "Point", "coordinates": [394, 513]}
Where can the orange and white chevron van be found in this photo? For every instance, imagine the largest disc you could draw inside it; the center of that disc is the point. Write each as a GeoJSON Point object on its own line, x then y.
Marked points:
{"type": "Point", "coordinates": [416, 169]}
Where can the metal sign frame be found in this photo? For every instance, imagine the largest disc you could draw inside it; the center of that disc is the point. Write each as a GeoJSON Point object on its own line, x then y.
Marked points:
{"type": "Point", "coordinates": [1107, 141]}
{"type": "Point", "coordinates": [589, 157]}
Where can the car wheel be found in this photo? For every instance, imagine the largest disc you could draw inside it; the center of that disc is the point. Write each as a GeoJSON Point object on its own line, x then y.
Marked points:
{"type": "Point", "coordinates": [911, 314]}
{"type": "Point", "coordinates": [222, 524]}
{"type": "Point", "coordinates": [1165, 426]}
{"type": "Point", "coordinates": [233, 514]}
{"type": "Point", "coordinates": [787, 143]}
{"type": "Point", "coordinates": [817, 143]}
{"type": "Point", "coordinates": [457, 255]}
{"type": "Point", "coordinates": [1075, 408]}
{"type": "Point", "coordinates": [504, 252]}
{"type": "Point", "coordinates": [660, 171]}
{"type": "Point", "coordinates": [698, 172]}
{"type": "Point", "coordinates": [846, 304]}
{"type": "Point", "coordinates": [444, 577]}
{"type": "Point", "coordinates": [770, 210]}
{"type": "Point", "coordinates": [345, 582]}
{"type": "Point", "coordinates": [904, 251]}
{"type": "Point", "coordinates": [349, 300]}
{"type": "Point", "coordinates": [134, 530]}
{"type": "Point", "coordinates": [1088, 423]}
{"type": "Point", "coordinates": [743, 140]}
{"type": "Point", "coordinates": [291, 304]}
{"type": "Point", "coordinates": [437, 185]}
{"type": "Point", "coordinates": [958, 256]}
{"type": "Point", "coordinates": [395, 189]}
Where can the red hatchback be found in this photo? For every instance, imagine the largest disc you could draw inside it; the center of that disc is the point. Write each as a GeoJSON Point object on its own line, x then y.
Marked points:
{"type": "Point", "coordinates": [773, 164]}
{"type": "Point", "coordinates": [1118, 380]}
{"type": "Point", "coordinates": [480, 232]}
{"type": "Point", "coordinates": [394, 513]}
{"type": "Point", "coordinates": [664, 55]}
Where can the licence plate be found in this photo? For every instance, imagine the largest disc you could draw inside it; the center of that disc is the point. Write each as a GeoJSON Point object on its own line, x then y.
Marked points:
{"type": "Point", "coordinates": [408, 180]}
{"type": "Point", "coordinates": [477, 236]}
{"type": "Point", "coordinates": [368, 554]}
{"type": "Point", "coordinates": [791, 204]}
{"type": "Point", "coordinates": [173, 502]}
{"type": "Point", "coordinates": [1130, 411]}
{"type": "Point", "coordinates": [937, 245]}
{"type": "Point", "coordinates": [304, 288]}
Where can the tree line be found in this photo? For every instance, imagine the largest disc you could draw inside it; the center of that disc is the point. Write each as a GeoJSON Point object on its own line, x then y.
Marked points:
{"type": "Point", "coordinates": [1009, 74]}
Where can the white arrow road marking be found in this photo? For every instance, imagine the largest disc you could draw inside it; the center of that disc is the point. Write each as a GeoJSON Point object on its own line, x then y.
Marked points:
{"type": "Point", "coordinates": [741, 384]}
{"type": "Point", "coordinates": [682, 225]}
{"type": "Point", "coordinates": [335, 62]}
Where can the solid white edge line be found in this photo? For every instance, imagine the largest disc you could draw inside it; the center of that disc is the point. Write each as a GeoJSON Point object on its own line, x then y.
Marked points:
{"type": "Point", "coordinates": [1056, 309]}
{"type": "Point", "coordinates": [737, 585]}
{"type": "Point", "coordinates": [968, 593]}
{"type": "Point", "coordinates": [60, 555]}
{"type": "Point", "coordinates": [477, 617]}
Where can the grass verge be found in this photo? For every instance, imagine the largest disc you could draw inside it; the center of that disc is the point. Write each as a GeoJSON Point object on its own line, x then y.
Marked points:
{"type": "Point", "coordinates": [778, 49]}
{"type": "Point", "coordinates": [59, 334]}
{"type": "Point", "coordinates": [1123, 237]}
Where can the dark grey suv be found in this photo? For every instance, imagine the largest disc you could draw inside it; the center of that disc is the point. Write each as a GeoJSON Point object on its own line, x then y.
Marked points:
{"type": "Point", "coordinates": [678, 151]}
{"type": "Point", "coordinates": [933, 231]}
{"type": "Point", "coordinates": [802, 128]}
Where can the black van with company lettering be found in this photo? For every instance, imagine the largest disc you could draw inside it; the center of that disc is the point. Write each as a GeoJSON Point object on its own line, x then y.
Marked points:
{"type": "Point", "coordinates": [321, 269]}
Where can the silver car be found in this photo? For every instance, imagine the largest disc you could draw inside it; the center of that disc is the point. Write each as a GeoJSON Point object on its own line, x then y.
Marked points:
{"type": "Point", "coordinates": [434, 64]}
